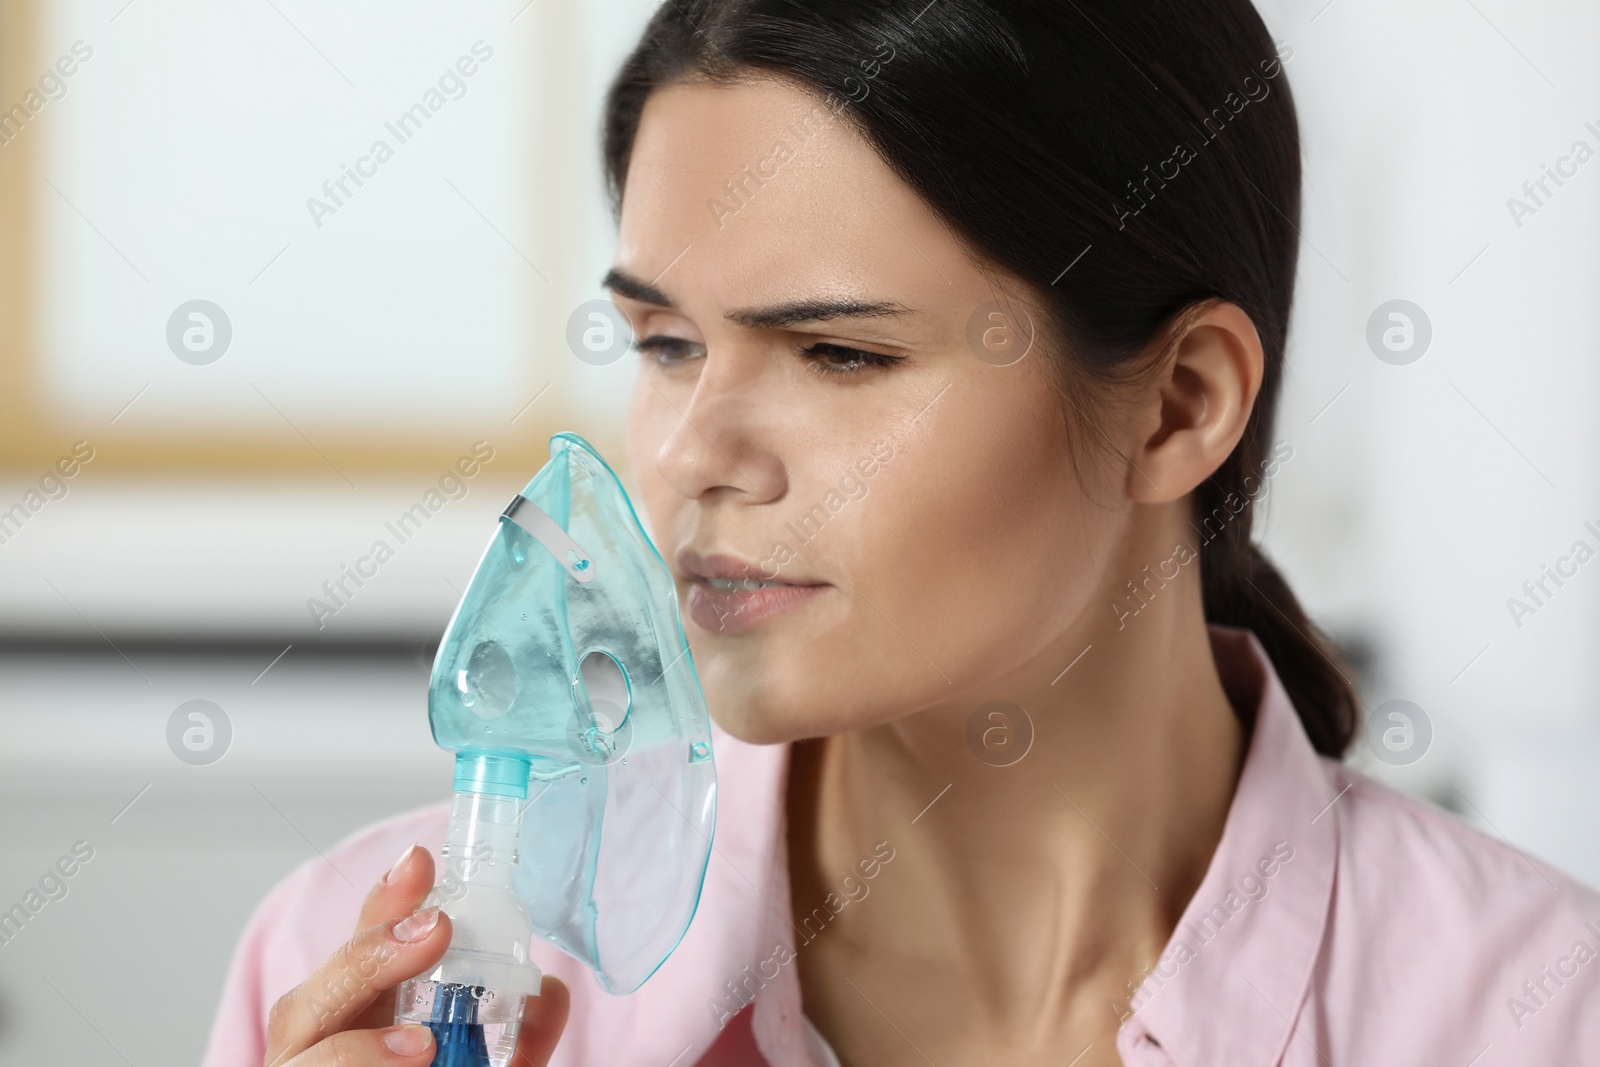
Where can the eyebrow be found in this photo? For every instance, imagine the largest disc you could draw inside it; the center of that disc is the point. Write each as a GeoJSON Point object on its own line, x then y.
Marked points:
{"type": "Point", "coordinates": [774, 316]}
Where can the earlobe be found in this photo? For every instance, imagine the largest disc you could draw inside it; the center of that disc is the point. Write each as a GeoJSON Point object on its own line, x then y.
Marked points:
{"type": "Point", "coordinates": [1200, 401]}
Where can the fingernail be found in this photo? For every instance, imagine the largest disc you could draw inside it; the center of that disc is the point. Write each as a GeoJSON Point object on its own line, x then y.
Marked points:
{"type": "Point", "coordinates": [407, 1040]}
{"type": "Point", "coordinates": [417, 925]}
{"type": "Point", "coordinates": [401, 862]}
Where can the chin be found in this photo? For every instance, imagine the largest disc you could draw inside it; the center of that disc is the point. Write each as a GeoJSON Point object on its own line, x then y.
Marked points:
{"type": "Point", "coordinates": [753, 716]}
{"type": "Point", "coordinates": [747, 718]}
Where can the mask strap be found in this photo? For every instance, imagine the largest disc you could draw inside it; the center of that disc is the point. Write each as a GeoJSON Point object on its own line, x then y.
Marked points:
{"type": "Point", "coordinates": [538, 525]}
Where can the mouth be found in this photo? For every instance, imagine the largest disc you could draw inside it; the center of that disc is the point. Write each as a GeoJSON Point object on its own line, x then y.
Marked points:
{"type": "Point", "coordinates": [729, 585]}
{"type": "Point", "coordinates": [728, 595]}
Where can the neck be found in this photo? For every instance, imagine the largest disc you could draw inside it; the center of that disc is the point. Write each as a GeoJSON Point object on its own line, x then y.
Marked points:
{"type": "Point", "coordinates": [1054, 882]}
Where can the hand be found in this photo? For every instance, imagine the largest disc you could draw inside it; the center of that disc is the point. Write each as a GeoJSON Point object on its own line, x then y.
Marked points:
{"type": "Point", "coordinates": [342, 1016]}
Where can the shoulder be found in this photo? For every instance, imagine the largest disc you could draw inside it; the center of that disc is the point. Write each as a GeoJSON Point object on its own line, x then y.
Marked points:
{"type": "Point", "coordinates": [1425, 905]}
{"type": "Point", "coordinates": [303, 918]}
{"type": "Point", "coordinates": [1387, 834]}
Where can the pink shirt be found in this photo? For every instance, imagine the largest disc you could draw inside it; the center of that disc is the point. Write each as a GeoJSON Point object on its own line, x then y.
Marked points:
{"type": "Point", "coordinates": [1338, 923]}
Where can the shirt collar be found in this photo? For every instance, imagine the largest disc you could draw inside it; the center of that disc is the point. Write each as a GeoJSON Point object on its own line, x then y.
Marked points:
{"type": "Point", "coordinates": [1229, 984]}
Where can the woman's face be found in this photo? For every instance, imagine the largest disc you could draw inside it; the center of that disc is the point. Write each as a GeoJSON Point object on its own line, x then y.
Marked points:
{"type": "Point", "coordinates": [867, 514]}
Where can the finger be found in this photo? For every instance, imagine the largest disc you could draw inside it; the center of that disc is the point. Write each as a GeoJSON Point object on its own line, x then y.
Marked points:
{"type": "Point", "coordinates": [349, 980]}
{"type": "Point", "coordinates": [543, 1019]}
{"type": "Point", "coordinates": [400, 891]}
{"type": "Point", "coordinates": [394, 1046]}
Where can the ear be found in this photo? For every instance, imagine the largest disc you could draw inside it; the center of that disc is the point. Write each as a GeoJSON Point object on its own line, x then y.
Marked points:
{"type": "Point", "coordinates": [1199, 404]}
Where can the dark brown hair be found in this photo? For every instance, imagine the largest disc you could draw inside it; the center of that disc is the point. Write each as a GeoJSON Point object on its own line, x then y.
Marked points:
{"type": "Point", "coordinates": [1155, 140]}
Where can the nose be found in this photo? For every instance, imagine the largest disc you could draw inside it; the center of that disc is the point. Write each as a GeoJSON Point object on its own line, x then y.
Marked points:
{"type": "Point", "coordinates": [718, 444]}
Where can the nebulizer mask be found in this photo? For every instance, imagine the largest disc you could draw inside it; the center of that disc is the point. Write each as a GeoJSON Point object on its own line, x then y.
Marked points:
{"type": "Point", "coordinates": [585, 791]}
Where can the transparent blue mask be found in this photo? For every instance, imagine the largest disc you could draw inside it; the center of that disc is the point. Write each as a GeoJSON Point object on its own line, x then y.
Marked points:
{"type": "Point", "coordinates": [585, 785]}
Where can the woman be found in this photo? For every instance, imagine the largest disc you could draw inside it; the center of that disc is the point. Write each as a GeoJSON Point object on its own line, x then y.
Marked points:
{"type": "Point", "coordinates": [961, 326]}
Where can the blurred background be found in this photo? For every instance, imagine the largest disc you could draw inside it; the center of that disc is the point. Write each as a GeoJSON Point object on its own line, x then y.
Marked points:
{"type": "Point", "coordinates": [253, 364]}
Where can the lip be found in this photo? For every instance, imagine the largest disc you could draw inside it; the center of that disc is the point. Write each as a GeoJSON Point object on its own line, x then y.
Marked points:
{"type": "Point", "coordinates": [732, 611]}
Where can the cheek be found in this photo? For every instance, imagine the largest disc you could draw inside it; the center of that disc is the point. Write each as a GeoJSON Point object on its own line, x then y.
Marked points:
{"type": "Point", "coordinates": [971, 554]}
{"type": "Point", "coordinates": [641, 450]}
{"type": "Point", "coordinates": [980, 544]}
{"type": "Point", "coordinates": [645, 435]}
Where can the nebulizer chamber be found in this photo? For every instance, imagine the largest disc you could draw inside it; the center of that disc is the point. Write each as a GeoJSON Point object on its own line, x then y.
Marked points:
{"type": "Point", "coordinates": [585, 789]}
{"type": "Point", "coordinates": [473, 998]}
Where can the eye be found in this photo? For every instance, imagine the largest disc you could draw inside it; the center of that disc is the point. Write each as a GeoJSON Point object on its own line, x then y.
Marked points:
{"type": "Point", "coordinates": [839, 360]}
{"type": "Point", "coordinates": [667, 351]}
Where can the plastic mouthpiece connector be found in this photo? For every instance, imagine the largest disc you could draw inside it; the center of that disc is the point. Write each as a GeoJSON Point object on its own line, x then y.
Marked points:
{"type": "Point", "coordinates": [472, 1001]}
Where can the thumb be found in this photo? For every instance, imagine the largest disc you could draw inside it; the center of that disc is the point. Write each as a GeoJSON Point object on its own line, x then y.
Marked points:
{"type": "Point", "coordinates": [544, 1017]}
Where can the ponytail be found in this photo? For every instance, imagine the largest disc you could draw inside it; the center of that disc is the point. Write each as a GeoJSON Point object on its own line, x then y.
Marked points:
{"type": "Point", "coordinates": [1241, 587]}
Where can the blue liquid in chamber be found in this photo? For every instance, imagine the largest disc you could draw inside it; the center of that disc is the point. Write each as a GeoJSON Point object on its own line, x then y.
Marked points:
{"type": "Point", "coordinates": [457, 1033]}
